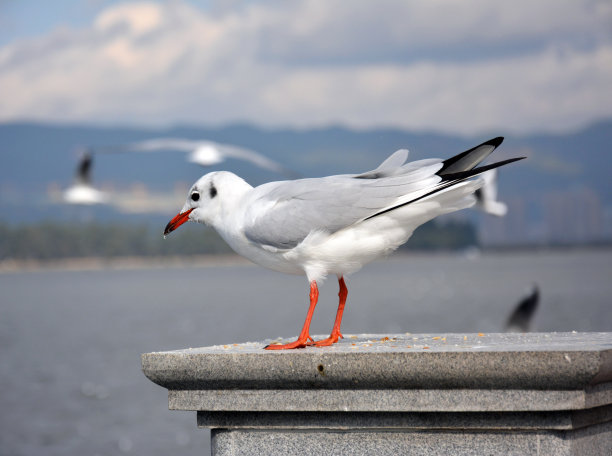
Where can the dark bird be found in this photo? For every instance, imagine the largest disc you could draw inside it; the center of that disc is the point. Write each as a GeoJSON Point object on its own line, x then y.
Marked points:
{"type": "Point", "coordinates": [82, 191]}
{"type": "Point", "coordinates": [521, 319]}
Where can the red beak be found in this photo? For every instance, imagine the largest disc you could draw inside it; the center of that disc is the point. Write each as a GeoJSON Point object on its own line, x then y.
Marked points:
{"type": "Point", "coordinates": [177, 221]}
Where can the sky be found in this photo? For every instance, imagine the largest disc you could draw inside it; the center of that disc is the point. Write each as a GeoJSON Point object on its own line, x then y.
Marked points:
{"type": "Point", "coordinates": [461, 67]}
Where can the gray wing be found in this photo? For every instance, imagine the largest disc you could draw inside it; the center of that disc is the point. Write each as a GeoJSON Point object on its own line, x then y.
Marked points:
{"type": "Point", "coordinates": [253, 157]}
{"type": "Point", "coordinates": [188, 145]}
{"type": "Point", "coordinates": [282, 214]}
{"type": "Point", "coordinates": [390, 166]}
{"type": "Point", "coordinates": [225, 150]}
{"type": "Point", "coordinates": [151, 145]}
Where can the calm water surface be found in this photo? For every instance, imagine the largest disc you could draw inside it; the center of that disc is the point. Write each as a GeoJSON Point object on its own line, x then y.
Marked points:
{"type": "Point", "coordinates": [70, 342]}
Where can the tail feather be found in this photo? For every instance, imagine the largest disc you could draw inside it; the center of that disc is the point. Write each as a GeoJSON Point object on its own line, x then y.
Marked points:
{"type": "Point", "coordinates": [458, 169]}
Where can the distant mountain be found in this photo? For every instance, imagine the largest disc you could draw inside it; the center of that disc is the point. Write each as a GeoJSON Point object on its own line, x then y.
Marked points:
{"type": "Point", "coordinates": [37, 158]}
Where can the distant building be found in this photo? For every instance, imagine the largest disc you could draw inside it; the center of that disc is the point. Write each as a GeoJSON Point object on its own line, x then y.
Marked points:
{"type": "Point", "coordinates": [512, 229]}
{"type": "Point", "coordinates": [572, 216]}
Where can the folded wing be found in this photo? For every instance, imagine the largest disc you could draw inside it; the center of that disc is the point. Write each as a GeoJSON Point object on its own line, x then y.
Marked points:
{"type": "Point", "coordinates": [282, 214]}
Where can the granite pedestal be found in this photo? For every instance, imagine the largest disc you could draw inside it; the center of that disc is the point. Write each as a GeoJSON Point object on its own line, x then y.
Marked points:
{"type": "Point", "coordinates": [439, 394]}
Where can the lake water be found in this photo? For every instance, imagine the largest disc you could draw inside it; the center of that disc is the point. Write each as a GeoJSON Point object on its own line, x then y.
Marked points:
{"type": "Point", "coordinates": [70, 342]}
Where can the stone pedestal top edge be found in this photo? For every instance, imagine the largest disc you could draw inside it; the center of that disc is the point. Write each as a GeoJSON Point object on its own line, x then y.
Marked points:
{"type": "Point", "coordinates": [534, 361]}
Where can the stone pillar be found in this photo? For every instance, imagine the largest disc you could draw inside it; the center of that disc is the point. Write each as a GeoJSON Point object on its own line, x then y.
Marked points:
{"type": "Point", "coordinates": [439, 394]}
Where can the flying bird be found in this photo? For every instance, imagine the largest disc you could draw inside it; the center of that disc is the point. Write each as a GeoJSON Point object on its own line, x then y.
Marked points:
{"type": "Point", "coordinates": [486, 196]}
{"type": "Point", "coordinates": [334, 224]}
{"type": "Point", "coordinates": [82, 191]}
{"type": "Point", "coordinates": [204, 153]}
{"type": "Point", "coordinates": [521, 318]}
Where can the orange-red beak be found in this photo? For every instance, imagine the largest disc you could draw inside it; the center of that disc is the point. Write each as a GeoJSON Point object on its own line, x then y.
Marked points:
{"type": "Point", "coordinates": [177, 221]}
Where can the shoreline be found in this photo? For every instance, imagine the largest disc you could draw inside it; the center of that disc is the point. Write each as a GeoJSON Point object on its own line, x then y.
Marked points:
{"type": "Point", "coordinates": [9, 266]}
{"type": "Point", "coordinates": [121, 263]}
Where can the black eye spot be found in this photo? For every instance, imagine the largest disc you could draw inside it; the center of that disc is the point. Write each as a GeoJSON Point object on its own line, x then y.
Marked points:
{"type": "Point", "coordinates": [195, 196]}
{"type": "Point", "coordinates": [213, 191]}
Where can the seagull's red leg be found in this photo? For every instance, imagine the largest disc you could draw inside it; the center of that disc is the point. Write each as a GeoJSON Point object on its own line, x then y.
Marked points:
{"type": "Point", "coordinates": [304, 338]}
{"type": "Point", "coordinates": [335, 334]}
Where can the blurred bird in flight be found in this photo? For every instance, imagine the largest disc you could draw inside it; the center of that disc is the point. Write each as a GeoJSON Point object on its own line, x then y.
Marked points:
{"type": "Point", "coordinates": [202, 152]}
{"type": "Point", "coordinates": [82, 192]}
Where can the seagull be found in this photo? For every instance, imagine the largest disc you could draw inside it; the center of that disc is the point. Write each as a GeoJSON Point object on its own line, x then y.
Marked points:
{"type": "Point", "coordinates": [486, 196]}
{"type": "Point", "coordinates": [204, 153]}
{"type": "Point", "coordinates": [521, 318]}
{"type": "Point", "coordinates": [83, 192]}
{"type": "Point", "coordinates": [334, 224]}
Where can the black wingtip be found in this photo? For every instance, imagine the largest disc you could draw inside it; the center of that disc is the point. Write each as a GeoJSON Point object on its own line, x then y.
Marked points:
{"type": "Point", "coordinates": [481, 169]}
{"type": "Point", "coordinates": [495, 142]}
{"type": "Point", "coordinates": [463, 162]}
{"type": "Point", "coordinates": [450, 179]}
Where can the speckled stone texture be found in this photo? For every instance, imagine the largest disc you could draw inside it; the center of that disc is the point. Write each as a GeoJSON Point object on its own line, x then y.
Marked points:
{"type": "Point", "coordinates": [412, 443]}
{"type": "Point", "coordinates": [538, 393]}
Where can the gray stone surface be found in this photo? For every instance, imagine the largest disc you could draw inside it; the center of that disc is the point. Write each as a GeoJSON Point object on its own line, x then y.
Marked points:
{"type": "Point", "coordinates": [391, 400]}
{"type": "Point", "coordinates": [596, 441]}
{"type": "Point", "coordinates": [548, 393]}
{"type": "Point", "coordinates": [502, 421]}
{"type": "Point", "coordinates": [445, 373]}
{"type": "Point", "coordinates": [523, 361]}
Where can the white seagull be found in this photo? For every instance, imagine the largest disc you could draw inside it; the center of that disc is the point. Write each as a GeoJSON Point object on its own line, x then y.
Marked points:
{"type": "Point", "coordinates": [334, 224]}
{"type": "Point", "coordinates": [204, 153]}
{"type": "Point", "coordinates": [82, 191]}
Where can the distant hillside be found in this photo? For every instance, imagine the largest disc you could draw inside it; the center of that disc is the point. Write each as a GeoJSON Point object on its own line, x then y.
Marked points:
{"type": "Point", "coordinates": [37, 158]}
{"type": "Point", "coordinates": [54, 240]}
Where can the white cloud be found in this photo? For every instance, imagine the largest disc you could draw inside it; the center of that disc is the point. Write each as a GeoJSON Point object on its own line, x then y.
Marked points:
{"type": "Point", "coordinates": [454, 66]}
{"type": "Point", "coordinates": [559, 89]}
{"type": "Point", "coordinates": [389, 29]}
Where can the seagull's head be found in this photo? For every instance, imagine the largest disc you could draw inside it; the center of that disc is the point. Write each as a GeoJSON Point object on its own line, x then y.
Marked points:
{"type": "Point", "coordinates": [209, 199]}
